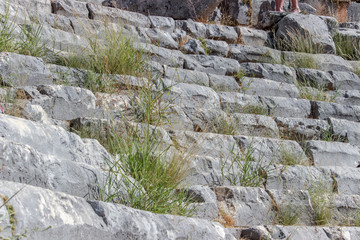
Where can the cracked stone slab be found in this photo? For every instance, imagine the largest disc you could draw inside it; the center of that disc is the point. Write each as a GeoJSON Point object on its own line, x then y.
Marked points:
{"type": "Point", "coordinates": [332, 153]}
{"type": "Point", "coordinates": [20, 70]}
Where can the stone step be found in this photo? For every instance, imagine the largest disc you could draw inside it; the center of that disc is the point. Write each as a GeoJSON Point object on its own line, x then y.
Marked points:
{"type": "Point", "coordinates": [49, 157]}
{"type": "Point", "coordinates": [277, 232]}
{"type": "Point", "coordinates": [75, 218]}
{"type": "Point", "coordinates": [332, 153]}
{"type": "Point", "coordinates": [251, 206]}
{"type": "Point", "coordinates": [300, 129]}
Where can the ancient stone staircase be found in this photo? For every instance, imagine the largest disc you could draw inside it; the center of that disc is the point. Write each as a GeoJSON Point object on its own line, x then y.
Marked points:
{"type": "Point", "coordinates": [230, 95]}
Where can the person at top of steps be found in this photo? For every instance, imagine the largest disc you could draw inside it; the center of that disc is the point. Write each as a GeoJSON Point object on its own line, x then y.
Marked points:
{"type": "Point", "coordinates": [294, 6]}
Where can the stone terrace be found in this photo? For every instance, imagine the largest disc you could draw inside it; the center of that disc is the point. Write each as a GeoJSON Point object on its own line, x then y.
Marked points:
{"type": "Point", "coordinates": [231, 93]}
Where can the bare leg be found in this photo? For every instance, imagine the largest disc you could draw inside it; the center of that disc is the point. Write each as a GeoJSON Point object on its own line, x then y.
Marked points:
{"type": "Point", "coordinates": [295, 6]}
{"type": "Point", "coordinates": [279, 5]}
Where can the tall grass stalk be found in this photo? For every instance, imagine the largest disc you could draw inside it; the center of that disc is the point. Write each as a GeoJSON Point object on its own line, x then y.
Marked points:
{"type": "Point", "coordinates": [245, 169]}
{"type": "Point", "coordinates": [114, 54]}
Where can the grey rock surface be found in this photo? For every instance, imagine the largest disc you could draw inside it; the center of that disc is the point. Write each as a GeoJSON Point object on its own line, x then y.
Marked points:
{"type": "Point", "coordinates": [282, 107]}
{"type": "Point", "coordinates": [275, 72]}
{"type": "Point", "coordinates": [252, 37]}
{"type": "Point", "coordinates": [19, 70]}
{"type": "Point", "coordinates": [301, 129]}
{"type": "Point", "coordinates": [244, 53]}
{"type": "Point", "coordinates": [347, 129]}
{"type": "Point", "coordinates": [332, 153]}
{"type": "Point", "coordinates": [106, 220]}
{"type": "Point", "coordinates": [238, 203]}
{"type": "Point", "coordinates": [266, 87]}
{"type": "Point", "coordinates": [353, 12]}
{"type": "Point", "coordinates": [197, 9]}
{"type": "Point", "coordinates": [309, 27]}
{"type": "Point", "coordinates": [63, 102]}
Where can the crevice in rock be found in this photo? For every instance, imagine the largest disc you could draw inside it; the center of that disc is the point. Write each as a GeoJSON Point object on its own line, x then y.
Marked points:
{"type": "Point", "coordinates": [274, 206]}
{"type": "Point", "coordinates": [99, 210]}
{"type": "Point", "coordinates": [91, 13]}
{"type": "Point", "coordinates": [314, 112]}
{"type": "Point", "coordinates": [335, 184]}
{"type": "Point", "coordinates": [72, 26]}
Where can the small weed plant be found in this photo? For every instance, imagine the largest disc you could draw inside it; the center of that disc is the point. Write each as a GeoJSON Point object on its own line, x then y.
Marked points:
{"type": "Point", "coordinates": [321, 197]}
{"type": "Point", "coordinates": [314, 92]}
{"type": "Point", "coordinates": [287, 215]}
{"type": "Point", "coordinates": [288, 156]}
{"type": "Point", "coordinates": [203, 44]}
{"type": "Point", "coordinates": [357, 219]}
{"type": "Point", "coordinates": [347, 47]}
{"type": "Point", "coordinates": [115, 54]}
{"type": "Point", "coordinates": [27, 41]}
{"type": "Point", "coordinates": [296, 41]}
{"type": "Point", "coordinates": [152, 179]}
{"type": "Point", "coordinates": [243, 169]}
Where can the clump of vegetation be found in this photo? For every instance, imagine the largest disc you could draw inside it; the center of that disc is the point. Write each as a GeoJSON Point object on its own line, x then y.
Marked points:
{"type": "Point", "coordinates": [357, 219]}
{"type": "Point", "coordinates": [296, 41]}
{"type": "Point", "coordinates": [288, 156]}
{"type": "Point", "coordinates": [329, 136]}
{"type": "Point", "coordinates": [244, 169]}
{"type": "Point", "coordinates": [203, 44]}
{"type": "Point", "coordinates": [302, 61]}
{"type": "Point", "coordinates": [255, 109]}
{"type": "Point", "coordinates": [27, 41]}
{"type": "Point", "coordinates": [116, 54]}
{"type": "Point", "coordinates": [314, 92]}
{"type": "Point", "coordinates": [321, 197]}
{"type": "Point", "coordinates": [347, 47]}
{"type": "Point", "coordinates": [287, 215]}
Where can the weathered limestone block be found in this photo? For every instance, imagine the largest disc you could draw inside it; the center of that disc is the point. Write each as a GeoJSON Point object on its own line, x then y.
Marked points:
{"type": "Point", "coordinates": [254, 125]}
{"type": "Point", "coordinates": [161, 38]}
{"type": "Point", "coordinates": [63, 102]}
{"type": "Point", "coordinates": [265, 87]}
{"type": "Point", "coordinates": [283, 107]}
{"type": "Point", "coordinates": [223, 83]}
{"type": "Point", "coordinates": [205, 202]}
{"type": "Point", "coordinates": [233, 102]}
{"type": "Point", "coordinates": [298, 177]}
{"type": "Point", "coordinates": [275, 72]}
{"type": "Point", "coordinates": [300, 129]}
{"type": "Point", "coordinates": [191, 95]}
{"type": "Point", "coordinates": [187, 76]}
{"type": "Point", "coordinates": [119, 16]}
{"type": "Point", "coordinates": [293, 202]}
{"type": "Point", "coordinates": [70, 8]}
{"type": "Point", "coordinates": [252, 37]}
{"type": "Point", "coordinates": [215, 47]}
{"type": "Point", "coordinates": [212, 64]}
{"type": "Point", "coordinates": [346, 129]}
{"type": "Point", "coordinates": [205, 144]}
{"type": "Point", "coordinates": [244, 53]}
{"type": "Point", "coordinates": [332, 153]}
{"type": "Point", "coordinates": [246, 206]}
{"type": "Point", "coordinates": [310, 27]}
{"type": "Point", "coordinates": [193, 46]}
{"type": "Point", "coordinates": [163, 23]}
{"type": "Point", "coordinates": [345, 80]}
{"type": "Point", "coordinates": [316, 78]}
{"type": "Point", "coordinates": [353, 12]}
{"type": "Point", "coordinates": [346, 179]}
{"type": "Point", "coordinates": [323, 110]}
{"type": "Point", "coordinates": [20, 70]}
{"type": "Point", "coordinates": [195, 29]}
{"type": "Point", "coordinates": [221, 32]}
{"type": "Point", "coordinates": [75, 218]}
{"type": "Point", "coordinates": [195, 9]}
